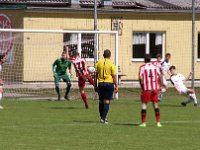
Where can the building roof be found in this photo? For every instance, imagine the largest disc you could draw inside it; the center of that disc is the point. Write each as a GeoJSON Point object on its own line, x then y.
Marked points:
{"type": "Point", "coordinates": [164, 4]}
{"type": "Point", "coordinates": [54, 3]}
{"type": "Point", "coordinates": [106, 5]}
{"type": "Point", "coordinates": [89, 3]}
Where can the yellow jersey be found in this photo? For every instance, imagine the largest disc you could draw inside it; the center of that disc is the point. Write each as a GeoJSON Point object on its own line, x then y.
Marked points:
{"type": "Point", "coordinates": [105, 69]}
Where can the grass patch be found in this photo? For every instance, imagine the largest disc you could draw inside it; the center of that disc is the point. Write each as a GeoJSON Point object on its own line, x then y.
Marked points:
{"type": "Point", "coordinates": [66, 125]}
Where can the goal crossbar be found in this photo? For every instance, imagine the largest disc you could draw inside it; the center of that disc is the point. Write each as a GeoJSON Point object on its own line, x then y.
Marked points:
{"type": "Point", "coordinates": [56, 31]}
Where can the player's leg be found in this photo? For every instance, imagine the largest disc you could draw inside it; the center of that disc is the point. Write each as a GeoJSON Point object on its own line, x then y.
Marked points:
{"type": "Point", "coordinates": [145, 98]}
{"type": "Point", "coordinates": [143, 114]}
{"type": "Point", "coordinates": [154, 97]}
{"type": "Point", "coordinates": [56, 82]}
{"type": "Point", "coordinates": [81, 84]}
{"type": "Point", "coordinates": [184, 92]}
{"type": "Point", "coordinates": [1, 92]}
{"type": "Point", "coordinates": [68, 82]}
{"type": "Point", "coordinates": [101, 105]}
{"type": "Point", "coordinates": [90, 80]}
{"type": "Point", "coordinates": [157, 113]}
{"type": "Point", "coordinates": [101, 102]}
{"type": "Point", "coordinates": [190, 100]}
{"type": "Point", "coordinates": [108, 95]}
{"type": "Point", "coordinates": [84, 97]}
{"type": "Point", "coordinates": [193, 96]}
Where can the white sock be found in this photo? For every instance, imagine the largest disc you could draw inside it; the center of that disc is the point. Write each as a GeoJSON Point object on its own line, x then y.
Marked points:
{"type": "Point", "coordinates": [1, 95]}
{"type": "Point", "coordinates": [194, 98]}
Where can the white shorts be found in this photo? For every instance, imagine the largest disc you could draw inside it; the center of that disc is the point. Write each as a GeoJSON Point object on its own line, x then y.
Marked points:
{"type": "Point", "coordinates": [184, 90]}
{"type": "Point", "coordinates": [164, 80]}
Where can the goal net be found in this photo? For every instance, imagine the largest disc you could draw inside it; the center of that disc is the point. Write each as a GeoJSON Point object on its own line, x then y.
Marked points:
{"type": "Point", "coordinates": [30, 54]}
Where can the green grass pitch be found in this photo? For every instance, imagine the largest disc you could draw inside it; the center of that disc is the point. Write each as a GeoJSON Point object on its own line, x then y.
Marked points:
{"type": "Point", "coordinates": [66, 125]}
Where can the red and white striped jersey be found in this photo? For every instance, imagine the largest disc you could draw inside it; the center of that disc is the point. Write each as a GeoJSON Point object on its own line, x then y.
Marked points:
{"type": "Point", "coordinates": [79, 65]}
{"type": "Point", "coordinates": [149, 73]}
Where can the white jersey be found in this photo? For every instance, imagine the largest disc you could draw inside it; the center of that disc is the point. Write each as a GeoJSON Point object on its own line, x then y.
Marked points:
{"type": "Point", "coordinates": [165, 67]}
{"type": "Point", "coordinates": [177, 81]}
{"type": "Point", "coordinates": [0, 67]}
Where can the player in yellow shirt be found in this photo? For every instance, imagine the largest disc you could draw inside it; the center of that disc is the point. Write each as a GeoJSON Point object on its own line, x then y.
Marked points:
{"type": "Point", "coordinates": [107, 84]}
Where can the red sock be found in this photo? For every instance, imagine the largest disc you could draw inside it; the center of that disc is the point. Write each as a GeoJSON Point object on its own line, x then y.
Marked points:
{"type": "Point", "coordinates": [91, 81]}
{"type": "Point", "coordinates": [157, 113]}
{"type": "Point", "coordinates": [143, 115]}
{"type": "Point", "coordinates": [83, 95]}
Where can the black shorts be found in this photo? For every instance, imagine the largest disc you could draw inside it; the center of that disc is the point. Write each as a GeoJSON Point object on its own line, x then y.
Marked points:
{"type": "Point", "coordinates": [105, 91]}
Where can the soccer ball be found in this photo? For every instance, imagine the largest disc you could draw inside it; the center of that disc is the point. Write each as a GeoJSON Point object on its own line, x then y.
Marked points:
{"type": "Point", "coordinates": [91, 69]}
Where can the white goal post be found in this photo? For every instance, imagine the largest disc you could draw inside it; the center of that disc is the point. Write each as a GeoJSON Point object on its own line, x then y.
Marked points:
{"type": "Point", "coordinates": [78, 33]}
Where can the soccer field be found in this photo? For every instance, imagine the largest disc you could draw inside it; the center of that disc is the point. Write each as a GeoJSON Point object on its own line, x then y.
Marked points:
{"type": "Point", "coordinates": [66, 125]}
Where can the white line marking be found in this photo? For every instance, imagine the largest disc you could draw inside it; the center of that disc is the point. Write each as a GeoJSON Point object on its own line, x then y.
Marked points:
{"type": "Point", "coordinates": [181, 121]}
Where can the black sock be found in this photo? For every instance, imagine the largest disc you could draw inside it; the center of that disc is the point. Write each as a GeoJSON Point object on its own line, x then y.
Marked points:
{"type": "Point", "coordinates": [58, 91]}
{"type": "Point", "coordinates": [157, 114]}
{"type": "Point", "coordinates": [101, 105]}
{"type": "Point", "coordinates": [68, 89]}
{"type": "Point", "coordinates": [105, 111]}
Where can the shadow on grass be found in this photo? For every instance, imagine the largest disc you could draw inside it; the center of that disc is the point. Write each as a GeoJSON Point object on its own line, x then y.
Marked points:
{"type": "Point", "coordinates": [126, 124]}
{"type": "Point", "coordinates": [59, 107]}
{"type": "Point", "coordinates": [97, 122]}
{"type": "Point", "coordinates": [169, 105]}
{"type": "Point", "coordinates": [85, 121]}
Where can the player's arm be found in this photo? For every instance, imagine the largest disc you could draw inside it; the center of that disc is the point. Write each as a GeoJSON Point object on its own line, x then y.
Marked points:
{"type": "Point", "coordinates": [95, 81]}
{"type": "Point", "coordinates": [85, 69]}
{"type": "Point", "coordinates": [140, 77]}
{"type": "Point", "coordinates": [168, 71]}
{"type": "Point", "coordinates": [115, 82]}
{"type": "Point", "coordinates": [70, 72]}
{"type": "Point", "coordinates": [188, 77]}
{"type": "Point", "coordinates": [54, 67]}
{"type": "Point", "coordinates": [67, 51]}
{"type": "Point", "coordinates": [114, 76]}
{"type": "Point", "coordinates": [159, 74]}
{"type": "Point", "coordinates": [141, 81]}
{"type": "Point", "coordinates": [70, 69]}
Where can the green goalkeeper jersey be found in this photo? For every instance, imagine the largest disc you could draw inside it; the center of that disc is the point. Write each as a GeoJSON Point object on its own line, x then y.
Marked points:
{"type": "Point", "coordinates": [60, 66]}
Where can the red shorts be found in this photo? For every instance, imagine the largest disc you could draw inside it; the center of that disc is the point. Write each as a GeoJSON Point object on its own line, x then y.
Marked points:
{"type": "Point", "coordinates": [81, 82]}
{"type": "Point", "coordinates": [148, 96]}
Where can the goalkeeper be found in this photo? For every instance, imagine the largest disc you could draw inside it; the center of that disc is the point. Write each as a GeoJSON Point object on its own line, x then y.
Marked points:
{"type": "Point", "coordinates": [59, 68]}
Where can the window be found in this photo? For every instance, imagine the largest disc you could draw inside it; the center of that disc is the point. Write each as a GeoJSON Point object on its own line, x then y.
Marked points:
{"type": "Point", "coordinates": [147, 42]}
{"type": "Point", "coordinates": [198, 46]}
{"type": "Point", "coordinates": [83, 43]}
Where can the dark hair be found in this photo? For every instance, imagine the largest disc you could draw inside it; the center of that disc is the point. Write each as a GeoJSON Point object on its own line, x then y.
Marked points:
{"type": "Point", "coordinates": [158, 55]}
{"type": "Point", "coordinates": [147, 58]}
{"type": "Point", "coordinates": [167, 55]}
{"type": "Point", "coordinates": [2, 56]}
{"type": "Point", "coordinates": [76, 54]}
{"type": "Point", "coordinates": [172, 67]}
{"type": "Point", "coordinates": [107, 53]}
